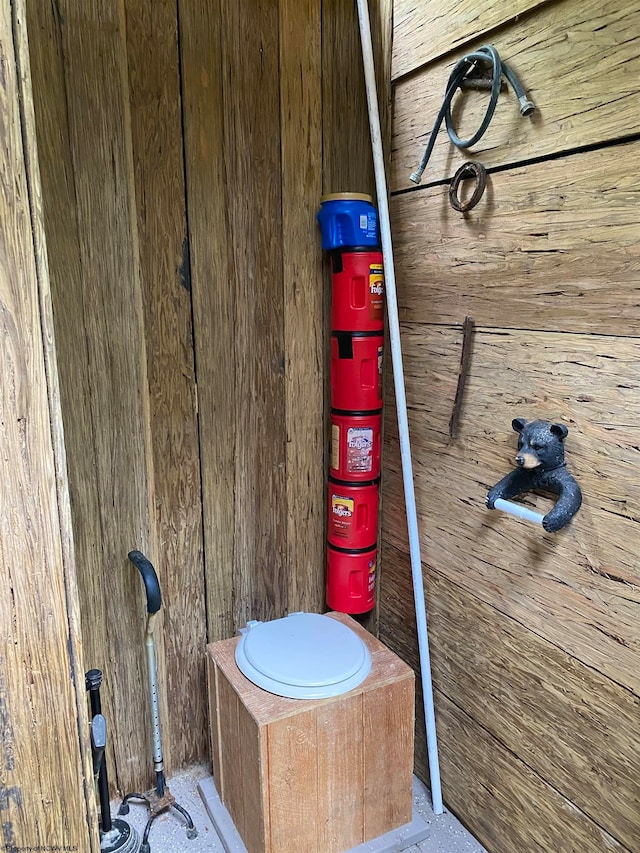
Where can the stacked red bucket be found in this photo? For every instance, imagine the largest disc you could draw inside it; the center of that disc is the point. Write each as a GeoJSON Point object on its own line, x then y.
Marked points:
{"type": "Point", "coordinates": [349, 227]}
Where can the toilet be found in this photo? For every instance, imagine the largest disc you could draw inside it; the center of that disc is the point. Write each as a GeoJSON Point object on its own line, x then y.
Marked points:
{"type": "Point", "coordinates": [312, 732]}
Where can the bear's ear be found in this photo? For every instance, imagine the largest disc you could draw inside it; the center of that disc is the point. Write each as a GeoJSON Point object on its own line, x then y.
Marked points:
{"type": "Point", "coordinates": [518, 424]}
{"type": "Point", "coordinates": [560, 430]}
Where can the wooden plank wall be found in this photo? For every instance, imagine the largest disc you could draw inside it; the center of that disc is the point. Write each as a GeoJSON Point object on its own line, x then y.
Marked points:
{"type": "Point", "coordinates": [46, 791]}
{"type": "Point", "coordinates": [535, 641]}
{"type": "Point", "coordinates": [184, 148]}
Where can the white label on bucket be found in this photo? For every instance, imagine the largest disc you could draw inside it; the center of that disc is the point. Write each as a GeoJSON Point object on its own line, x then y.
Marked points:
{"type": "Point", "coordinates": [359, 449]}
{"type": "Point", "coordinates": [363, 221]}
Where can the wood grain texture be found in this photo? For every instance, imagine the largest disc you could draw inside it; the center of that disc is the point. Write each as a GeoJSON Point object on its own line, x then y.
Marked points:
{"type": "Point", "coordinates": [580, 588]}
{"type": "Point", "coordinates": [252, 144]}
{"type": "Point", "coordinates": [108, 318]}
{"type": "Point", "coordinates": [213, 695]}
{"type": "Point", "coordinates": [66, 279]}
{"type": "Point", "coordinates": [213, 298]}
{"type": "Point", "coordinates": [579, 62]}
{"type": "Point", "coordinates": [570, 725]}
{"type": "Point", "coordinates": [339, 751]}
{"type": "Point", "coordinates": [304, 330]}
{"type": "Point", "coordinates": [422, 32]}
{"type": "Point", "coordinates": [156, 128]}
{"type": "Point", "coordinates": [243, 769]}
{"type": "Point", "coordinates": [388, 772]}
{"type": "Point", "coordinates": [72, 599]}
{"type": "Point", "coordinates": [243, 440]}
{"type": "Point", "coordinates": [508, 818]}
{"type": "Point", "coordinates": [347, 160]}
{"type": "Point", "coordinates": [293, 783]}
{"type": "Point", "coordinates": [550, 246]}
{"type": "Point", "coordinates": [42, 792]}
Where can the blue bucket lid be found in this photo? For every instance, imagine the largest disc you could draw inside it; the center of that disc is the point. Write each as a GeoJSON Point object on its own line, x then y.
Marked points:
{"type": "Point", "coordinates": [303, 656]}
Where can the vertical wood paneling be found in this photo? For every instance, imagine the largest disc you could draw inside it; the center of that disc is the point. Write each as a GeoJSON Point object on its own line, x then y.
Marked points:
{"type": "Point", "coordinates": [304, 332]}
{"type": "Point", "coordinates": [43, 797]}
{"type": "Point", "coordinates": [154, 87]}
{"type": "Point", "coordinates": [252, 146]}
{"type": "Point", "coordinates": [238, 298]}
{"type": "Point", "coordinates": [347, 161]}
{"type": "Point", "coordinates": [72, 599]}
{"type": "Point", "coordinates": [188, 145]}
{"type": "Point", "coordinates": [109, 318]}
{"type": "Point", "coordinates": [213, 296]}
{"type": "Point", "coordinates": [388, 800]}
{"type": "Point", "coordinates": [65, 271]}
{"type": "Point", "coordinates": [340, 764]}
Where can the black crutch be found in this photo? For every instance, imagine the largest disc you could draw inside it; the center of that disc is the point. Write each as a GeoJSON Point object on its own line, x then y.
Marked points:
{"type": "Point", "coordinates": [158, 798]}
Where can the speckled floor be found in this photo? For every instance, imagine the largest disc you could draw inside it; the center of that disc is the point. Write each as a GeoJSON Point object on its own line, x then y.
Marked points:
{"type": "Point", "coordinates": [447, 835]}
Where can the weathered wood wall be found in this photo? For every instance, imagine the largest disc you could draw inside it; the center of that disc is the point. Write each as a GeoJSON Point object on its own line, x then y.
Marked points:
{"type": "Point", "coordinates": [184, 148]}
{"type": "Point", "coordinates": [46, 791]}
{"type": "Point", "coordinates": [536, 647]}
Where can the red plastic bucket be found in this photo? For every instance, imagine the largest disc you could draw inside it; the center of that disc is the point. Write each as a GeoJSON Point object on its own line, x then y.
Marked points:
{"type": "Point", "coordinates": [352, 514]}
{"type": "Point", "coordinates": [357, 291]}
{"type": "Point", "coordinates": [351, 580]}
{"type": "Point", "coordinates": [356, 371]}
{"type": "Point", "coordinates": [355, 445]}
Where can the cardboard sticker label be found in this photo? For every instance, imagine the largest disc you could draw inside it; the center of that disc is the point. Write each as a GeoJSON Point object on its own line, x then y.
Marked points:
{"type": "Point", "coordinates": [359, 450]}
{"type": "Point", "coordinates": [376, 292]}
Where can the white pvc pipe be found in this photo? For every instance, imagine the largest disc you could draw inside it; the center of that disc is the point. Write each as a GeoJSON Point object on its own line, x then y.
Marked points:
{"type": "Point", "coordinates": [519, 511]}
{"type": "Point", "coordinates": [401, 403]}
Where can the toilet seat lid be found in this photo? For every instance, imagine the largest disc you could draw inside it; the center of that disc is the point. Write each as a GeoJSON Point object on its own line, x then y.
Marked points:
{"type": "Point", "coordinates": [303, 656]}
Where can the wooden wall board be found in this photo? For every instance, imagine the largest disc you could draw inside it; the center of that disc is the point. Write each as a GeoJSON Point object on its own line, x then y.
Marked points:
{"type": "Point", "coordinates": [591, 96]}
{"type": "Point", "coordinates": [422, 32]}
{"type": "Point", "coordinates": [486, 784]}
{"type": "Point", "coordinates": [213, 299]}
{"type": "Point", "coordinates": [304, 329]}
{"type": "Point", "coordinates": [43, 795]}
{"type": "Point", "coordinates": [72, 597]}
{"type": "Point", "coordinates": [573, 727]}
{"type": "Point", "coordinates": [156, 127]}
{"type": "Point", "coordinates": [253, 161]}
{"type": "Point", "coordinates": [551, 246]}
{"type": "Point", "coordinates": [347, 163]}
{"type": "Point", "coordinates": [110, 319]}
{"type": "Point", "coordinates": [232, 120]}
{"type": "Point", "coordinates": [65, 273]}
{"type": "Point", "coordinates": [578, 588]}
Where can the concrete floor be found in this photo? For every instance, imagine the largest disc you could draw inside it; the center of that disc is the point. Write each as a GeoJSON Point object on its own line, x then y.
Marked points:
{"type": "Point", "coordinates": [447, 835]}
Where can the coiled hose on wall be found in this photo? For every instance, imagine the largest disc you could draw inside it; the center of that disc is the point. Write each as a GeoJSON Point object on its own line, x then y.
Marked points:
{"type": "Point", "coordinates": [467, 67]}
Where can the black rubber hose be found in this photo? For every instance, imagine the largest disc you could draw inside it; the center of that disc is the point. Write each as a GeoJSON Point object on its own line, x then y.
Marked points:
{"type": "Point", "coordinates": [484, 56]}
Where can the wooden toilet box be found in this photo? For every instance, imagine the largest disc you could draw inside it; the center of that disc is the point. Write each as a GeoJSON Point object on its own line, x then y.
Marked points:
{"type": "Point", "coordinates": [300, 775]}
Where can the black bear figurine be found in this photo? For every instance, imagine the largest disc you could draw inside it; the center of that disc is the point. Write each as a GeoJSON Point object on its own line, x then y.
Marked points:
{"type": "Point", "coordinates": [541, 465]}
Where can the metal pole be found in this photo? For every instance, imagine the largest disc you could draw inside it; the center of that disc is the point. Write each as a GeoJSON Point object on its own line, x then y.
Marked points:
{"type": "Point", "coordinates": [401, 404]}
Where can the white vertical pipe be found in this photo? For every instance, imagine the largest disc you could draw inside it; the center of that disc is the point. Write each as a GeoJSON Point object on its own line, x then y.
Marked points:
{"type": "Point", "coordinates": [401, 403]}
